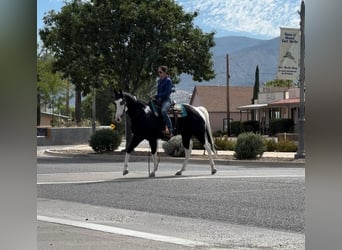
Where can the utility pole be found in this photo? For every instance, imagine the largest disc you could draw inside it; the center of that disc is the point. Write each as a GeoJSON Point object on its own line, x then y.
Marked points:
{"type": "Point", "coordinates": [228, 101]}
{"type": "Point", "coordinates": [301, 152]}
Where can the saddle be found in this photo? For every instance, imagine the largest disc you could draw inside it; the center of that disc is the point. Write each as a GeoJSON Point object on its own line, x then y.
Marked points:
{"type": "Point", "coordinates": [175, 111]}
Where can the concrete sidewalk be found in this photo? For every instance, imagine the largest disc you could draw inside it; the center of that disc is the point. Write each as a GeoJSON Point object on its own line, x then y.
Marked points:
{"type": "Point", "coordinates": [143, 150]}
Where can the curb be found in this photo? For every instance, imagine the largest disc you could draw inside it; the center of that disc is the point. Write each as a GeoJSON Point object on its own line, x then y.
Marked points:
{"type": "Point", "coordinates": [144, 156]}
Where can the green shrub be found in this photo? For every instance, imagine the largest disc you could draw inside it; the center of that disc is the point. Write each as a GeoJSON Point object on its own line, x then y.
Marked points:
{"type": "Point", "coordinates": [105, 140]}
{"type": "Point", "coordinates": [281, 126]}
{"type": "Point", "coordinates": [235, 128]}
{"type": "Point", "coordinates": [271, 145]}
{"type": "Point", "coordinates": [249, 146]}
{"type": "Point", "coordinates": [219, 133]}
{"type": "Point", "coordinates": [280, 146]}
{"type": "Point", "coordinates": [174, 147]}
{"type": "Point", "coordinates": [286, 146]}
{"type": "Point", "coordinates": [250, 126]}
{"type": "Point", "coordinates": [196, 144]}
{"type": "Point", "coordinates": [224, 143]}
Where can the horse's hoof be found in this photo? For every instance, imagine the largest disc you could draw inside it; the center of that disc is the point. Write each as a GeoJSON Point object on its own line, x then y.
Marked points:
{"type": "Point", "coordinates": [152, 174]}
{"type": "Point", "coordinates": [125, 172]}
{"type": "Point", "coordinates": [213, 171]}
{"type": "Point", "coordinates": [179, 173]}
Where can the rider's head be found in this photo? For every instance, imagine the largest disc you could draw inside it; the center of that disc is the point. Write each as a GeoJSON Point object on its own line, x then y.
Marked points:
{"type": "Point", "coordinates": [162, 72]}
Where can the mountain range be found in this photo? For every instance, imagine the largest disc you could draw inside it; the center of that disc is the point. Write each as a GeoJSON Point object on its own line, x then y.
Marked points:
{"type": "Point", "coordinates": [244, 55]}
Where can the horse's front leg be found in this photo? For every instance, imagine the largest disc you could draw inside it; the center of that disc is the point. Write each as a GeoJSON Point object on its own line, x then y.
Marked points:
{"type": "Point", "coordinates": [153, 145]}
{"type": "Point", "coordinates": [125, 169]}
{"type": "Point", "coordinates": [134, 142]}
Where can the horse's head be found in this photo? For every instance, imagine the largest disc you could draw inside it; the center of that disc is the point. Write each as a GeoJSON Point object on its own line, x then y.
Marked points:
{"type": "Point", "coordinates": [120, 103]}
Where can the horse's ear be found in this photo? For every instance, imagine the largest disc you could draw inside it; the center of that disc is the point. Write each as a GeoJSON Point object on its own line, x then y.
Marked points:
{"type": "Point", "coordinates": [121, 93]}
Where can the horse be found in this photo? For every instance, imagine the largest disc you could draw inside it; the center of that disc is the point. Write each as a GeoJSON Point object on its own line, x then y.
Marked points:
{"type": "Point", "coordinates": [146, 124]}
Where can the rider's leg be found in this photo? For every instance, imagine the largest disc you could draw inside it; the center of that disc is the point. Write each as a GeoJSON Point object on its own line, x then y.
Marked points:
{"type": "Point", "coordinates": [164, 111]}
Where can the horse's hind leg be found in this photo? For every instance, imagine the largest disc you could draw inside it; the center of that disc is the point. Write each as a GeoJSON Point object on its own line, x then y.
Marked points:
{"type": "Point", "coordinates": [188, 148]}
{"type": "Point", "coordinates": [210, 155]}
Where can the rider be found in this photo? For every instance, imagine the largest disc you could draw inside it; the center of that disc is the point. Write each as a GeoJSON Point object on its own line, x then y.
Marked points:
{"type": "Point", "coordinates": [164, 90]}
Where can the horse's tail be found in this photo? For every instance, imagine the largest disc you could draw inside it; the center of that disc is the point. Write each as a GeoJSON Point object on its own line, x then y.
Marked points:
{"type": "Point", "coordinates": [208, 128]}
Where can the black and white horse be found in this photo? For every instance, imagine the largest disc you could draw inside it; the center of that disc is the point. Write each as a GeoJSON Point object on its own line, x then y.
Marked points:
{"type": "Point", "coordinates": [146, 125]}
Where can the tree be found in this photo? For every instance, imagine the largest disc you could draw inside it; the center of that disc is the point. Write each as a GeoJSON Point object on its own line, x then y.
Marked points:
{"type": "Point", "coordinates": [67, 36]}
{"type": "Point", "coordinates": [104, 107]}
{"type": "Point", "coordinates": [122, 43]}
{"type": "Point", "coordinates": [279, 83]}
{"type": "Point", "coordinates": [255, 90]}
{"type": "Point", "coordinates": [51, 88]}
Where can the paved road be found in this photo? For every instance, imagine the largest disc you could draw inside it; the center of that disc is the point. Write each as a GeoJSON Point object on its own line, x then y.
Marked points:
{"type": "Point", "coordinates": [239, 208]}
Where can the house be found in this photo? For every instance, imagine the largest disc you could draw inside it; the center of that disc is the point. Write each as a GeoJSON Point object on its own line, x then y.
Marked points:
{"type": "Point", "coordinates": [274, 103]}
{"type": "Point", "coordinates": [214, 98]}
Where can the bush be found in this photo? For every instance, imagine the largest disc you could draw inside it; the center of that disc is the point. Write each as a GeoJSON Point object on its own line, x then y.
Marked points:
{"type": "Point", "coordinates": [281, 126]}
{"type": "Point", "coordinates": [235, 128]}
{"type": "Point", "coordinates": [196, 144]}
{"type": "Point", "coordinates": [249, 146]}
{"type": "Point", "coordinates": [271, 145]}
{"type": "Point", "coordinates": [105, 140]}
{"type": "Point", "coordinates": [219, 133]}
{"type": "Point", "coordinates": [280, 146]}
{"type": "Point", "coordinates": [224, 143]}
{"type": "Point", "coordinates": [250, 126]}
{"type": "Point", "coordinates": [286, 146]}
{"type": "Point", "coordinates": [174, 147]}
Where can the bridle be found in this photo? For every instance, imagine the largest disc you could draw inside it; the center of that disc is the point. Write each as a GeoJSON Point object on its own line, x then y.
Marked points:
{"type": "Point", "coordinates": [123, 104]}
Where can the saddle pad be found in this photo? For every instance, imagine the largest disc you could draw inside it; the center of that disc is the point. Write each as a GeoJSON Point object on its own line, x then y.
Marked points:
{"type": "Point", "coordinates": [178, 110]}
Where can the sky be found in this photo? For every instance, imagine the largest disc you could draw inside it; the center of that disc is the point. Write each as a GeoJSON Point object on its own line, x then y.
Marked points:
{"type": "Point", "coordinates": [259, 19]}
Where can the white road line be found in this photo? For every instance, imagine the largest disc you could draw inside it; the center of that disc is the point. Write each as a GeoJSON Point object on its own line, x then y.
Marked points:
{"type": "Point", "coordinates": [236, 177]}
{"type": "Point", "coordinates": [176, 178]}
{"type": "Point", "coordinates": [121, 231]}
{"type": "Point", "coordinates": [67, 182]}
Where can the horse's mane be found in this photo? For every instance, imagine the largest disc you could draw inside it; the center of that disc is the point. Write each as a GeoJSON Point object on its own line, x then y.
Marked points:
{"type": "Point", "coordinates": [135, 100]}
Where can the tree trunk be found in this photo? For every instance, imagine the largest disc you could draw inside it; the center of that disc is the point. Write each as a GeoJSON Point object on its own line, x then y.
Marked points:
{"type": "Point", "coordinates": [78, 107]}
{"type": "Point", "coordinates": [67, 97]}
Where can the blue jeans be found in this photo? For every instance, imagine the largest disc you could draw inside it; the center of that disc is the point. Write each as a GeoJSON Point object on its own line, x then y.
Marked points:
{"type": "Point", "coordinates": [164, 109]}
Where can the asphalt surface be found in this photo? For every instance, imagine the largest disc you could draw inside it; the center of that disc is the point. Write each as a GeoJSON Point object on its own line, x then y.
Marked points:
{"type": "Point", "coordinates": [84, 202]}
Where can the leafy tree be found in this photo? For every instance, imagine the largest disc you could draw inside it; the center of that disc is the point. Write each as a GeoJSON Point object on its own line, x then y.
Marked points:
{"type": "Point", "coordinates": [67, 35]}
{"type": "Point", "coordinates": [255, 89]}
{"type": "Point", "coordinates": [279, 83]}
{"type": "Point", "coordinates": [122, 43]}
{"type": "Point", "coordinates": [51, 88]}
{"type": "Point", "coordinates": [104, 107]}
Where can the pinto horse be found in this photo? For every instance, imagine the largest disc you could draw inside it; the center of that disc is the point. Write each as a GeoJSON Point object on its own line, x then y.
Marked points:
{"type": "Point", "coordinates": [145, 124]}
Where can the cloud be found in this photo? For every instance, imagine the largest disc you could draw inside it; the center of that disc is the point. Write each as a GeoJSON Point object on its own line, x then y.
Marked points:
{"type": "Point", "coordinates": [256, 17]}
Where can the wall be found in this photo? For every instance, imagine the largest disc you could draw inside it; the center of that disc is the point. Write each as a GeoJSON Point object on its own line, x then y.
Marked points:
{"type": "Point", "coordinates": [63, 136]}
{"type": "Point", "coordinates": [216, 119]}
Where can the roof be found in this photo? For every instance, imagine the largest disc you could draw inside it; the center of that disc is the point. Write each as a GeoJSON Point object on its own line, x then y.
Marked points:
{"type": "Point", "coordinates": [285, 102]}
{"type": "Point", "coordinates": [54, 114]}
{"type": "Point", "coordinates": [253, 106]}
{"type": "Point", "coordinates": [214, 97]}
